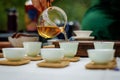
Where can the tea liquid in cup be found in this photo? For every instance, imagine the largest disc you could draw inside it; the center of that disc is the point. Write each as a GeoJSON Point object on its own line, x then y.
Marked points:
{"type": "Point", "coordinates": [32, 48]}
{"type": "Point", "coordinates": [69, 48]}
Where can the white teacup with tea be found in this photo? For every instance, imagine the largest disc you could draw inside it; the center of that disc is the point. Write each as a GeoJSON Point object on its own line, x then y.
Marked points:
{"type": "Point", "coordinates": [52, 54]}
{"type": "Point", "coordinates": [103, 45]}
{"type": "Point", "coordinates": [101, 56]}
{"type": "Point", "coordinates": [70, 48]}
{"type": "Point", "coordinates": [13, 54]}
{"type": "Point", "coordinates": [32, 49]}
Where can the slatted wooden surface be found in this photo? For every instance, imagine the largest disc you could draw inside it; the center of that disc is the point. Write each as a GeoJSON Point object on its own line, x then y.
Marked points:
{"type": "Point", "coordinates": [82, 48]}
{"type": "Point", "coordinates": [85, 45]}
{"type": "Point", "coordinates": [4, 45]}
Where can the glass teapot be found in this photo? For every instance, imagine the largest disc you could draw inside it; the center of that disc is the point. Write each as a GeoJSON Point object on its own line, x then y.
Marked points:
{"type": "Point", "coordinates": [52, 22]}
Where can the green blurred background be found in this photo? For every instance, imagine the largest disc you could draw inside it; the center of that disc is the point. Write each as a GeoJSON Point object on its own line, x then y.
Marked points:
{"type": "Point", "coordinates": [75, 10]}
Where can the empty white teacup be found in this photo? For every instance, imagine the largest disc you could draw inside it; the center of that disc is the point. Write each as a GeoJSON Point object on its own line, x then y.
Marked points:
{"type": "Point", "coordinates": [101, 56]}
{"type": "Point", "coordinates": [82, 33]}
{"type": "Point", "coordinates": [14, 54]}
{"type": "Point", "coordinates": [52, 54]}
{"type": "Point", "coordinates": [103, 45]}
{"type": "Point", "coordinates": [70, 48]}
{"type": "Point", "coordinates": [32, 49]}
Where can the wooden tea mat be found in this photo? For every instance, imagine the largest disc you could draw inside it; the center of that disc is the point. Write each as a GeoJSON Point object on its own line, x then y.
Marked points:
{"type": "Point", "coordinates": [1, 55]}
{"type": "Point", "coordinates": [74, 59]}
{"type": "Point", "coordinates": [53, 65]}
{"type": "Point", "coordinates": [111, 65]}
{"type": "Point", "coordinates": [34, 58]}
{"type": "Point", "coordinates": [14, 63]}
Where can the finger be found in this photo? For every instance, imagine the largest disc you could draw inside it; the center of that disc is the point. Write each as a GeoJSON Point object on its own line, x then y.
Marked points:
{"type": "Point", "coordinates": [36, 4]}
{"type": "Point", "coordinates": [43, 3]}
{"type": "Point", "coordinates": [49, 3]}
{"type": "Point", "coordinates": [51, 0]}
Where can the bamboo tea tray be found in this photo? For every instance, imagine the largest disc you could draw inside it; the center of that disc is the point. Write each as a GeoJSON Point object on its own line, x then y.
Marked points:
{"type": "Point", "coordinates": [111, 65]}
{"type": "Point", "coordinates": [53, 65]}
{"type": "Point", "coordinates": [14, 63]}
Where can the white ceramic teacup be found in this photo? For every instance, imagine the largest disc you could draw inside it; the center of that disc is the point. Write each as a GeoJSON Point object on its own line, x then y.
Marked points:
{"type": "Point", "coordinates": [32, 49]}
{"type": "Point", "coordinates": [13, 54]}
{"type": "Point", "coordinates": [101, 56]}
{"type": "Point", "coordinates": [70, 48]}
{"type": "Point", "coordinates": [52, 54]}
{"type": "Point", "coordinates": [82, 33]}
{"type": "Point", "coordinates": [103, 45]}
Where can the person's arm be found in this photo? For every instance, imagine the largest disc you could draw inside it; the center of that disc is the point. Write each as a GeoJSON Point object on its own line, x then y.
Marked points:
{"type": "Point", "coordinates": [41, 4]}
